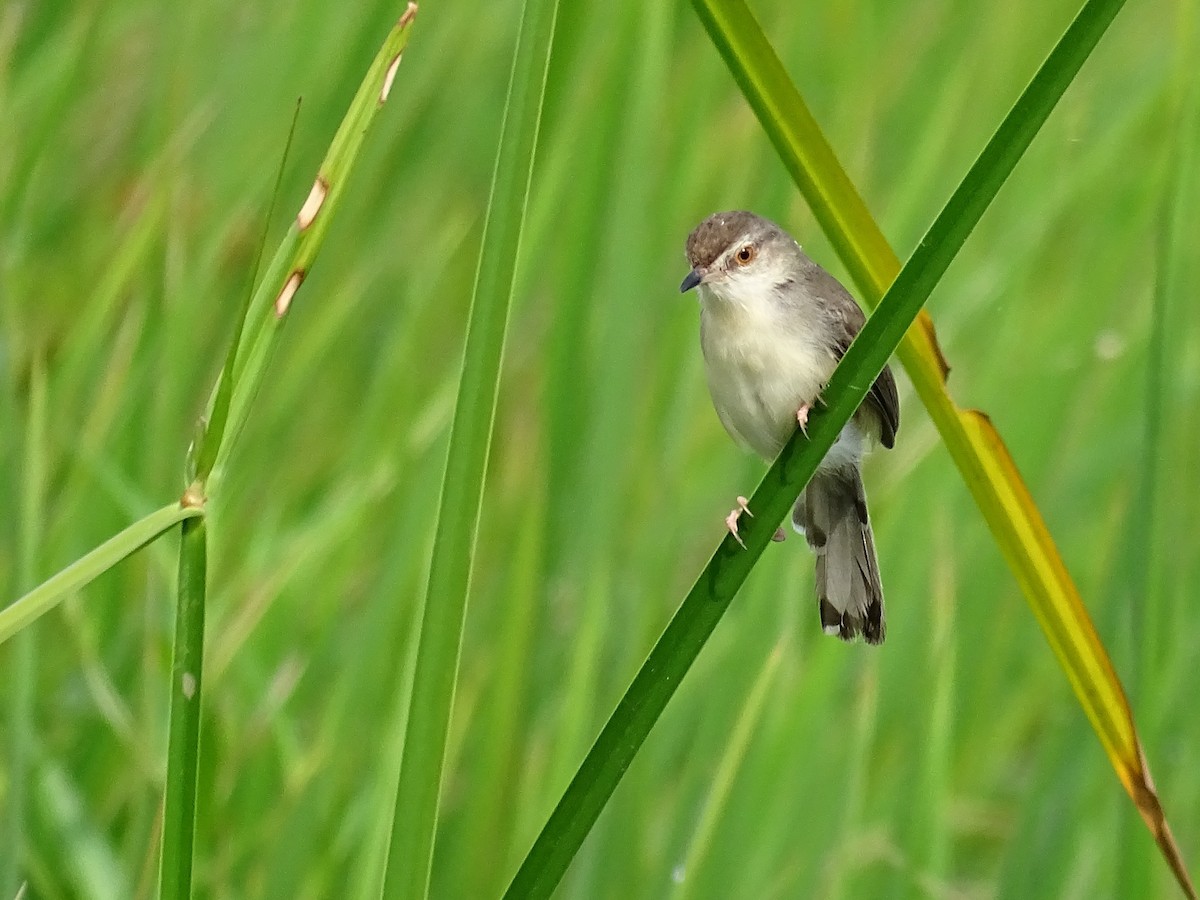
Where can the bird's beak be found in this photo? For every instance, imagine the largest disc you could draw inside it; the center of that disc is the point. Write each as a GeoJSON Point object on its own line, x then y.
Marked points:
{"type": "Point", "coordinates": [694, 277]}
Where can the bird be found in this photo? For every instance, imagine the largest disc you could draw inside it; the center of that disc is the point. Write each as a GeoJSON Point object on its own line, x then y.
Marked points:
{"type": "Point", "coordinates": [773, 326]}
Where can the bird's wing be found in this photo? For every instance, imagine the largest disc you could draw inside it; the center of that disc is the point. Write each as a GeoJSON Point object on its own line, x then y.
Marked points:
{"type": "Point", "coordinates": [849, 318]}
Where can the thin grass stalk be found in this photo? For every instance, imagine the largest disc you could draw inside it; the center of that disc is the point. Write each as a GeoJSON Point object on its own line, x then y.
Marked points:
{"type": "Point", "coordinates": [183, 748]}
{"type": "Point", "coordinates": [410, 854]}
{"type": "Point", "coordinates": [692, 624]}
{"type": "Point", "coordinates": [243, 373]}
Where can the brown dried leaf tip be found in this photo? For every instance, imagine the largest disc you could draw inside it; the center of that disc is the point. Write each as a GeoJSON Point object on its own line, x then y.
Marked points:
{"type": "Point", "coordinates": [408, 15]}
{"type": "Point", "coordinates": [312, 206]}
{"type": "Point", "coordinates": [284, 300]}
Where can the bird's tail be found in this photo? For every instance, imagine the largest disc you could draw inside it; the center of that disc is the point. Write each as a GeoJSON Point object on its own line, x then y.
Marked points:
{"type": "Point", "coordinates": [832, 514]}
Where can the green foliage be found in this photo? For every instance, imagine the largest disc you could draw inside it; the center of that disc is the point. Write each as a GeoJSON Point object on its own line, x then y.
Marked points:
{"type": "Point", "coordinates": [952, 762]}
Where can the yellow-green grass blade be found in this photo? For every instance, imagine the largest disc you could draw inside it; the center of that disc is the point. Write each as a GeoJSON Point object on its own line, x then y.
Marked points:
{"type": "Point", "coordinates": [973, 442]}
{"type": "Point", "coordinates": [293, 260]}
{"type": "Point", "coordinates": [407, 870]}
{"type": "Point", "coordinates": [53, 591]}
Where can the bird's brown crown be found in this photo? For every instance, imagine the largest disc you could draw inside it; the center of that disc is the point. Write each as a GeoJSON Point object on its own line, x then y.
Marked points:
{"type": "Point", "coordinates": [713, 236]}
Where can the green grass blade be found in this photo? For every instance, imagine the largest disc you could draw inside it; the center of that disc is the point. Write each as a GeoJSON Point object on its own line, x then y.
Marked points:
{"type": "Point", "coordinates": [293, 259]}
{"type": "Point", "coordinates": [50, 593]}
{"type": "Point", "coordinates": [183, 747]}
{"type": "Point", "coordinates": [976, 447]}
{"type": "Point", "coordinates": [411, 843]}
{"type": "Point", "coordinates": [673, 654]}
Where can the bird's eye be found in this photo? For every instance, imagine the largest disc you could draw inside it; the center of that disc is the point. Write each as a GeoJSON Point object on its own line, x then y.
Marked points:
{"type": "Point", "coordinates": [745, 254]}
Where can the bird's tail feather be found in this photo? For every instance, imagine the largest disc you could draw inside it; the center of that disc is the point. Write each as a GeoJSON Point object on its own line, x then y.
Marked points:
{"type": "Point", "coordinates": [832, 514]}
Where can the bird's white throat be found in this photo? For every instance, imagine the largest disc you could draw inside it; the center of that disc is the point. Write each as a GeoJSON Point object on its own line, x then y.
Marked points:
{"type": "Point", "coordinates": [762, 360]}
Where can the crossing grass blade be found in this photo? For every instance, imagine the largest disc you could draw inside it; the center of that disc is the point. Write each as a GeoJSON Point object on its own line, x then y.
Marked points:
{"type": "Point", "coordinates": [976, 447]}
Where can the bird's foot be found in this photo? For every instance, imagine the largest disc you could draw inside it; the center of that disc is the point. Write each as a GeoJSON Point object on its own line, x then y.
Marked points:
{"type": "Point", "coordinates": [731, 520]}
{"type": "Point", "coordinates": [802, 417]}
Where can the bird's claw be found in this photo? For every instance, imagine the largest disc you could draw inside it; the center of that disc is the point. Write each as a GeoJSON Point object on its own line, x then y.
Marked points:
{"type": "Point", "coordinates": [731, 520]}
{"type": "Point", "coordinates": [802, 417]}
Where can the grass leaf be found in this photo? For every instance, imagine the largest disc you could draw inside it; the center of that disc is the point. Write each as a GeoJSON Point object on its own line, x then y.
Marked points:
{"type": "Point", "coordinates": [212, 428]}
{"type": "Point", "coordinates": [411, 842]}
{"type": "Point", "coordinates": [54, 590]}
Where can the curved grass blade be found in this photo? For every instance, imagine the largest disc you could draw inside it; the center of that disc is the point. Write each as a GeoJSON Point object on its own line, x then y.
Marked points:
{"type": "Point", "coordinates": [974, 444]}
{"type": "Point", "coordinates": [415, 819]}
{"type": "Point", "coordinates": [987, 469]}
{"type": "Point", "coordinates": [53, 591]}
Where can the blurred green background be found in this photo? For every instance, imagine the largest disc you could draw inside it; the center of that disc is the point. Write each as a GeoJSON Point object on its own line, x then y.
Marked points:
{"type": "Point", "coordinates": [138, 145]}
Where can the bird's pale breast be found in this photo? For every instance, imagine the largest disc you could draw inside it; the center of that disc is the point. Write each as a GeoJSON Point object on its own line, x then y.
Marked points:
{"type": "Point", "coordinates": [760, 370]}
